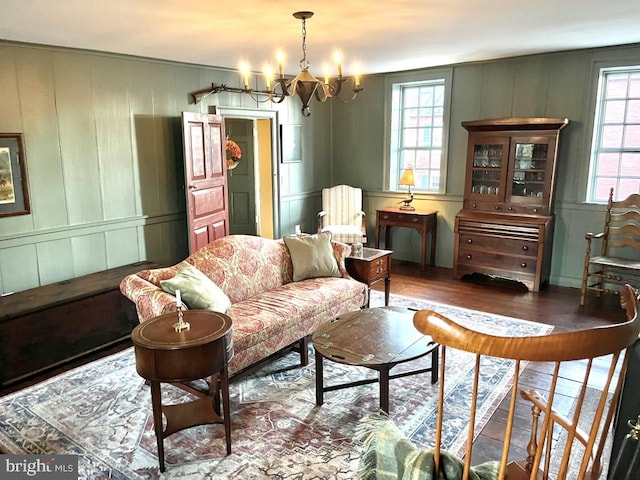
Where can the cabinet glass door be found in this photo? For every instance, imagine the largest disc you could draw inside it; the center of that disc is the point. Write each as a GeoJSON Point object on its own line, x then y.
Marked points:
{"type": "Point", "coordinates": [487, 166]}
{"type": "Point", "coordinates": [529, 170]}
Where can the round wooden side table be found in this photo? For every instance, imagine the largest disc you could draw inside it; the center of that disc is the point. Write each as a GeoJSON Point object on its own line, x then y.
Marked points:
{"type": "Point", "coordinates": [166, 355]}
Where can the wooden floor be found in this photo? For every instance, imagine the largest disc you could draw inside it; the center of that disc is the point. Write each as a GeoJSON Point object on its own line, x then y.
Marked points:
{"type": "Point", "coordinates": [558, 306]}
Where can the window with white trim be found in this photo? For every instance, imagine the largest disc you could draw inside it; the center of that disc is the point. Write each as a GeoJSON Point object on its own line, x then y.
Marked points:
{"type": "Point", "coordinates": [615, 152]}
{"type": "Point", "coordinates": [418, 133]}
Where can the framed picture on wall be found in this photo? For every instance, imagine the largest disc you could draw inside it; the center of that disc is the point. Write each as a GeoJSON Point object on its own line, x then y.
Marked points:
{"type": "Point", "coordinates": [14, 194]}
{"type": "Point", "coordinates": [291, 141]}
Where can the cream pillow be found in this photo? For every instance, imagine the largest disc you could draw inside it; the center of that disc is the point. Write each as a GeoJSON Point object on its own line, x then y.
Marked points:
{"type": "Point", "coordinates": [312, 256]}
{"type": "Point", "coordinates": [197, 290]}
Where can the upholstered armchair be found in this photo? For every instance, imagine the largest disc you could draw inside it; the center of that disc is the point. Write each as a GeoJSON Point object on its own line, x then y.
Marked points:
{"type": "Point", "coordinates": [342, 214]}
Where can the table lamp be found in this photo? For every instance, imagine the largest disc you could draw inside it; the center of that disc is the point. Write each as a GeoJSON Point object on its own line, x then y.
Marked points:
{"type": "Point", "coordinates": [407, 179]}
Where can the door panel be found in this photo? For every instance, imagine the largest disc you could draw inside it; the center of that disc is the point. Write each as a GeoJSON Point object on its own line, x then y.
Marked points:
{"type": "Point", "coordinates": [241, 180]}
{"type": "Point", "coordinates": [205, 177]}
{"type": "Point", "coordinates": [240, 205]}
{"type": "Point", "coordinates": [200, 237]}
{"type": "Point", "coordinates": [209, 201]}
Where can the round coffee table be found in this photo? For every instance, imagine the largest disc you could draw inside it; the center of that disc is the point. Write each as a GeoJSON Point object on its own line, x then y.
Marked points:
{"type": "Point", "coordinates": [166, 355]}
{"type": "Point", "coordinates": [376, 338]}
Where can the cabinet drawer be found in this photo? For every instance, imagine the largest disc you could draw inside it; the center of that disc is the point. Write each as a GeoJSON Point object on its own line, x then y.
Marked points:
{"type": "Point", "coordinates": [525, 209]}
{"type": "Point", "coordinates": [483, 206]}
{"type": "Point", "coordinates": [400, 218]}
{"type": "Point", "coordinates": [379, 268]}
{"type": "Point", "coordinates": [369, 270]}
{"type": "Point", "coordinates": [499, 231]}
{"type": "Point", "coordinates": [491, 244]}
{"type": "Point", "coordinates": [498, 260]}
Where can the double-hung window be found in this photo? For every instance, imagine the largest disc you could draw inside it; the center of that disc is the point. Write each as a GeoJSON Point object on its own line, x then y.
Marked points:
{"type": "Point", "coordinates": [615, 151]}
{"type": "Point", "coordinates": [418, 121]}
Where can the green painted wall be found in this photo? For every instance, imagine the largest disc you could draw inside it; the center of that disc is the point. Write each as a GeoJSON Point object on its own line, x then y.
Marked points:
{"type": "Point", "coordinates": [104, 154]}
{"type": "Point", "coordinates": [551, 85]}
{"type": "Point", "coordinates": [103, 147]}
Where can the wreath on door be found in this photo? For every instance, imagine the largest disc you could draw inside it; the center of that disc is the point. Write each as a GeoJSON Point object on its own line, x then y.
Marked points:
{"type": "Point", "coordinates": [234, 154]}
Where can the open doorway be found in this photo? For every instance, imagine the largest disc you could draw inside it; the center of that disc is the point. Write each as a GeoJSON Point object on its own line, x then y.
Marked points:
{"type": "Point", "coordinates": [252, 185]}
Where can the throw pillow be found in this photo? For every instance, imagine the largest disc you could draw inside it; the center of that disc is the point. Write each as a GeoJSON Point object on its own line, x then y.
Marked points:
{"type": "Point", "coordinates": [312, 256]}
{"type": "Point", "coordinates": [197, 290]}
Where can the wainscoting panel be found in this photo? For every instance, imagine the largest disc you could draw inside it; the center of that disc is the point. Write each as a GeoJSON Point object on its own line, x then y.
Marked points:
{"type": "Point", "coordinates": [116, 253]}
{"type": "Point", "coordinates": [89, 254]}
{"type": "Point", "coordinates": [18, 268]}
{"type": "Point", "coordinates": [55, 261]}
{"type": "Point", "coordinates": [34, 259]}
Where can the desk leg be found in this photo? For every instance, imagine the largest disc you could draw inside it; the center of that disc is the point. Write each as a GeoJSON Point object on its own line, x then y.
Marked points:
{"type": "Point", "coordinates": [433, 232]}
{"type": "Point", "coordinates": [387, 288]}
{"type": "Point", "coordinates": [384, 389]}
{"type": "Point", "coordinates": [319, 380]}
{"type": "Point", "coordinates": [387, 237]}
{"type": "Point", "coordinates": [423, 251]}
{"type": "Point", "coordinates": [156, 404]}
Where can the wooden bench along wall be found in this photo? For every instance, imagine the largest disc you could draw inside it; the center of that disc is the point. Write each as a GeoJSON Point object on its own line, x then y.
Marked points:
{"type": "Point", "coordinates": [44, 327]}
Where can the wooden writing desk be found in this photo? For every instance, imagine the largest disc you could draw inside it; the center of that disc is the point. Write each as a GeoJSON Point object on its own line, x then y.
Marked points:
{"type": "Point", "coordinates": [424, 222]}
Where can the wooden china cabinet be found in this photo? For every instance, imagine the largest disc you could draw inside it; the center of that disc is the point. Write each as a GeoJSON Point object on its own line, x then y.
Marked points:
{"type": "Point", "coordinates": [505, 228]}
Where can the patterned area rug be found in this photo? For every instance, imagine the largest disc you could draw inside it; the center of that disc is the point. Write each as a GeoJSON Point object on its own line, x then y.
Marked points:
{"type": "Point", "coordinates": [102, 412]}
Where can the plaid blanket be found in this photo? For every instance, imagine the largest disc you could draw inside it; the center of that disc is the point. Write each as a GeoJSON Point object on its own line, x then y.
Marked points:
{"type": "Point", "coordinates": [388, 455]}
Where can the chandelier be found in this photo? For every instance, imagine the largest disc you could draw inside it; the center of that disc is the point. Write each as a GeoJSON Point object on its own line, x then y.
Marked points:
{"type": "Point", "coordinates": [305, 85]}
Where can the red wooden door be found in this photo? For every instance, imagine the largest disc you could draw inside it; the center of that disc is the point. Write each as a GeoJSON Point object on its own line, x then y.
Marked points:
{"type": "Point", "coordinates": [206, 178]}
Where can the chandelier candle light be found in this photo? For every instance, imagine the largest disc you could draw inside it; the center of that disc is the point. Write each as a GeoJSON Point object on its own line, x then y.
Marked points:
{"type": "Point", "coordinates": [305, 85]}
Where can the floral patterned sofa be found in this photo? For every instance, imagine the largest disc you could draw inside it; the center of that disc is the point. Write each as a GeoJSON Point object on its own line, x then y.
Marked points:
{"type": "Point", "coordinates": [269, 310]}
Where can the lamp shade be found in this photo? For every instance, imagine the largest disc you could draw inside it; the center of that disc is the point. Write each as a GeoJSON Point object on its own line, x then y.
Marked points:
{"type": "Point", "coordinates": [407, 177]}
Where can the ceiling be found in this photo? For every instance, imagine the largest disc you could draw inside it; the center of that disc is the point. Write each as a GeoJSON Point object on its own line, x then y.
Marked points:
{"type": "Point", "coordinates": [381, 36]}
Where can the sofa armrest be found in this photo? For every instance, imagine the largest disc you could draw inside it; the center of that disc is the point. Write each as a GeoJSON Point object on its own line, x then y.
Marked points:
{"type": "Point", "coordinates": [150, 300]}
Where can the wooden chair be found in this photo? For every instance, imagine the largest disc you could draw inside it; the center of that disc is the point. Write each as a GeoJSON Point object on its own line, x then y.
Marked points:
{"type": "Point", "coordinates": [559, 435]}
{"type": "Point", "coordinates": [342, 214]}
{"type": "Point", "coordinates": [619, 259]}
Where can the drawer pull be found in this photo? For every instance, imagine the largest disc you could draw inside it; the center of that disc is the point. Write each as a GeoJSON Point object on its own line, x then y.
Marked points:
{"type": "Point", "coordinates": [510, 208]}
{"type": "Point", "coordinates": [415, 220]}
{"type": "Point", "coordinates": [386, 217]}
{"type": "Point", "coordinates": [474, 205]}
{"type": "Point", "coordinates": [379, 270]}
{"type": "Point", "coordinates": [523, 265]}
{"type": "Point", "coordinates": [468, 257]}
{"type": "Point", "coordinates": [497, 207]}
{"type": "Point", "coordinates": [525, 247]}
{"type": "Point", "coordinates": [469, 241]}
{"type": "Point", "coordinates": [535, 210]}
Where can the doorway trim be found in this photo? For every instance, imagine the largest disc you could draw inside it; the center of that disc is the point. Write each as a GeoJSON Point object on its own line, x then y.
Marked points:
{"type": "Point", "coordinates": [272, 116]}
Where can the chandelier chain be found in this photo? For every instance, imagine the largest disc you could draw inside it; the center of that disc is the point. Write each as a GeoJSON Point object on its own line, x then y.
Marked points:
{"type": "Point", "coordinates": [304, 64]}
